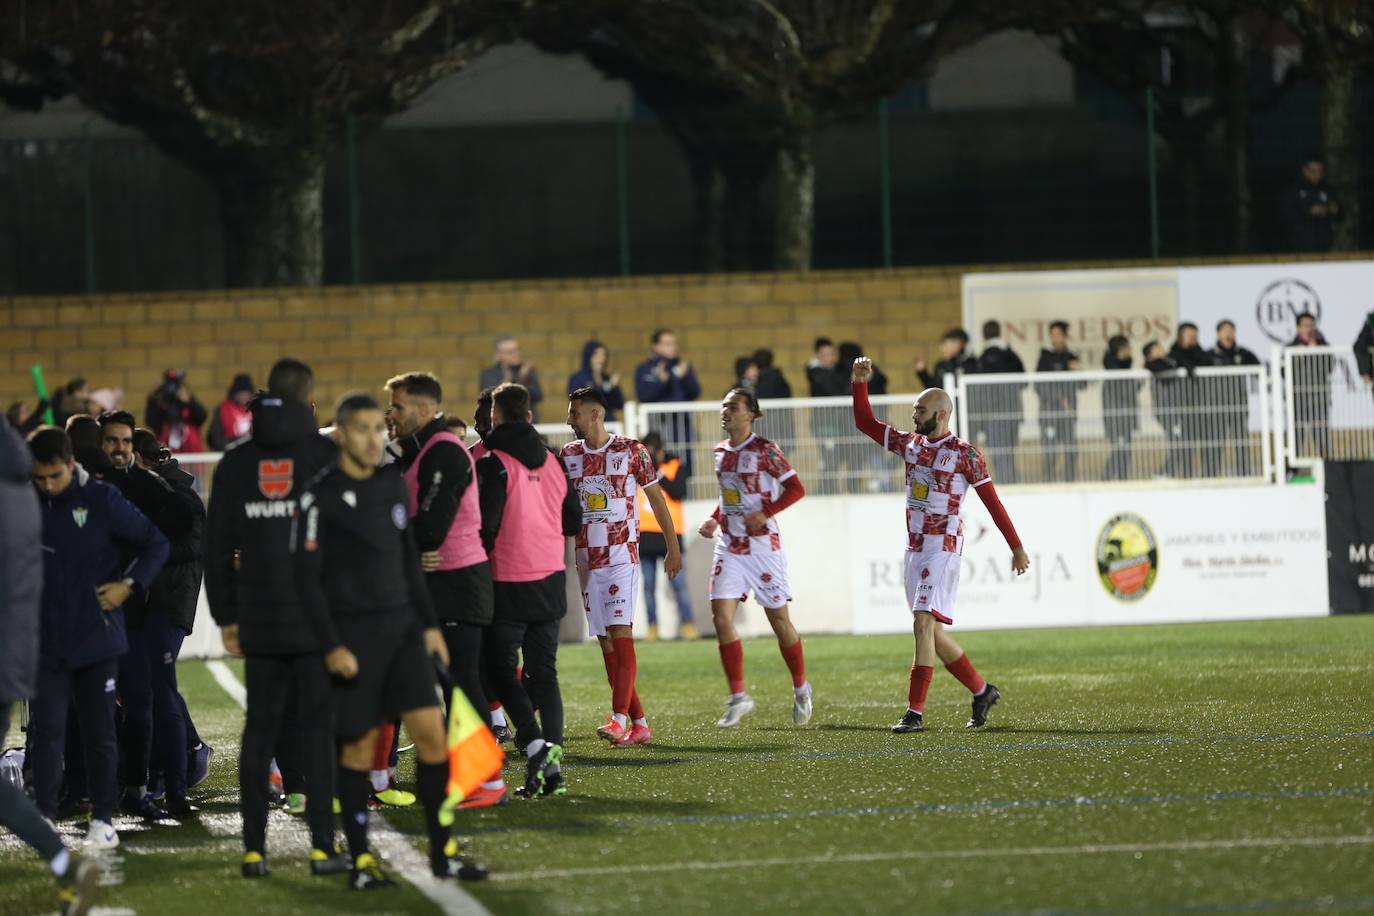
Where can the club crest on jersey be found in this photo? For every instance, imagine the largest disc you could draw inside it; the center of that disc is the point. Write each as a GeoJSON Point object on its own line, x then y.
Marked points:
{"type": "Point", "coordinates": [616, 464]}
{"type": "Point", "coordinates": [79, 515]}
{"type": "Point", "coordinates": [398, 516]}
{"type": "Point", "coordinates": [946, 461]}
{"type": "Point", "coordinates": [614, 589]}
{"type": "Point", "coordinates": [276, 477]}
{"type": "Point", "coordinates": [767, 577]}
{"type": "Point", "coordinates": [925, 573]}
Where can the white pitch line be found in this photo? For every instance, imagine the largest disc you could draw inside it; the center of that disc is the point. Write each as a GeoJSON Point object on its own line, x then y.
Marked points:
{"type": "Point", "coordinates": [395, 848]}
{"type": "Point", "coordinates": [981, 853]}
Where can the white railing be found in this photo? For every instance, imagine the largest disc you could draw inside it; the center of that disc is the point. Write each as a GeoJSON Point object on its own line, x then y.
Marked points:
{"type": "Point", "coordinates": [1220, 424]}
{"type": "Point", "coordinates": [1126, 425]}
{"type": "Point", "coordinates": [1328, 409]}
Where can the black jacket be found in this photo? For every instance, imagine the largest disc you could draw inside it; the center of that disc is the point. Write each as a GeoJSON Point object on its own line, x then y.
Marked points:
{"type": "Point", "coordinates": [1364, 346]}
{"type": "Point", "coordinates": [354, 556]}
{"type": "Point", "coordinates": [1120, 400]}
{"type": "Point", "coordinates": [525, 445]}
{"type": "Point", "coordinates": [1057, 397]}
{"type": "Point", "coordinates": [772, 384]}
{"type": "Point", "coordinates": [963, 362]}
{"type": "Point", "coordinates": [1233, 391]}
{"type": "Point", "coordinates": [249, 575]}
{"type": "Point", "coordinates": [827, 383]}
{"type": "Point", "coordinates": [21, 570]}
{"type": "Point", "coordinates": [1305, 231]}
{"type": "Point", "coordinates": [1166, 392]}
{"type": "Point", "coordinates": [177, 588]}
{"type": "Point", "coordinates": [444, 474]}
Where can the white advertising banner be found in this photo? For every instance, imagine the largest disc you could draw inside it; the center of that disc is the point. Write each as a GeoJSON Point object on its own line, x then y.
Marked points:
{"type": "Point", "coordinates": [1264, 301]}
{"type": "Point", "coordinates": [1115, 556]}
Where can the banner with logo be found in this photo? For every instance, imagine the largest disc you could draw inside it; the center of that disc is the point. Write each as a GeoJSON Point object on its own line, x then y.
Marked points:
{"type": "Point", "coordinates": [1264, 301]}
{"type": "Point", "coordinates": [1114, 556]}
{"type": "Point", "coordinates": [1350, 535]}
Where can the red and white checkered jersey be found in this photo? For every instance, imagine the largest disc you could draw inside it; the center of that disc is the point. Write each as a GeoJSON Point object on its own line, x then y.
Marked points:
{"type": "Point", "coordinates": [608, 481]}
{"type": "Point", "coordinates": [751, 478]}
{"type": "Point", "coordinates": [938, 477]}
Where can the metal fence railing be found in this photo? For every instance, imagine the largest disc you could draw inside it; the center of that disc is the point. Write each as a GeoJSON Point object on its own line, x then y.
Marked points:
{"type": "Point", "coordinates": [1058, 427]}
{"type": "Point", "coordinates": [1221, 424]}
{"type": "Point", "coordinates": [1328, 407]}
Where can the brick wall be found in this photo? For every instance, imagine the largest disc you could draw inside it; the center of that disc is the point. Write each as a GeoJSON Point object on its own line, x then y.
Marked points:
{"type": "Point", "coordinates": [357, 337]}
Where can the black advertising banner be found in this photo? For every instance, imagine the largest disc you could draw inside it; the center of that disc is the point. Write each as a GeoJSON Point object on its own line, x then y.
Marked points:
{"type": "Point", "coordinates": [1350, 535]}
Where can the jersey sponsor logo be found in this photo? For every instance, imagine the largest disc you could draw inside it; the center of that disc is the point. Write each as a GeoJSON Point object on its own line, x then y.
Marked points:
{"type": "Point", "coordinates": [276, 477]}
{"type": "Point", "coordinates": [1127, 557]}
{"type": "Point", "coordinates": [398, 516]}
{"type": "Point", "coordinates": [79, 515]}
{"type": "Point", "coordinates": [263, 508]}
{"type": "Point", "coordinates": [731, 497]}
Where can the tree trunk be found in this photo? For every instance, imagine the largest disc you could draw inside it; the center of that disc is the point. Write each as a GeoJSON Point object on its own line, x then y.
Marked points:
{"type": "Point", "coordinates": [709, 204]}
{"type": "Point", "coordinates": [272, 220]}
{"type": "Point", "coordinates": [1238, 132]}
{"type": "Point", "coordinates": [796, 212]}
{"type": "Point", "coordinates": [1340, 133]}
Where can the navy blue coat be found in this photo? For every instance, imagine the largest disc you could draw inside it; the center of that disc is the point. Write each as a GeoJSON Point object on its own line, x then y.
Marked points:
{"type": "Point", "coordinates": [88, 530]}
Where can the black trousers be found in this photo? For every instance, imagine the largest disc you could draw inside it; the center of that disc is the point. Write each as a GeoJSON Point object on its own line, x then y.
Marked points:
{"type": "Point", "coordinates": [292, 692]}
{"type": "Point", "coordinates": [148, 694]}
{"type": "Point", "coordinates": [18, 814]}
{"type": "Point", "coordinates": [503, 641]}
{"type": "Point", "coordinates": [464, 642]}
{"type": "Point", "coordinates": [91, 690]}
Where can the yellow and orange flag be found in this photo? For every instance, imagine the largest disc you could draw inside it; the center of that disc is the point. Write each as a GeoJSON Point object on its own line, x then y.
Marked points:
{"type": "Point", "coordinates": [473, 754]}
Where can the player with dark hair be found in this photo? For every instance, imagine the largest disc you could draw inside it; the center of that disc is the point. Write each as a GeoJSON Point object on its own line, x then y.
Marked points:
{"type": "Point", "coordinates": [756, 483]}
{"type": "Point", "coordinates": [940, 470]}
{"type": "Point", "coordinates": [359, 577]}
{"type": "Point", "coordinates": [607, 472]}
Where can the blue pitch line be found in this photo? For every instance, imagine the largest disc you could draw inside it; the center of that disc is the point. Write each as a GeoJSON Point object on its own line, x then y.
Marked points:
{"type": "Point", "coordinates": [978, 807]}
{"type": "Point", "coordinates": [972, 748]}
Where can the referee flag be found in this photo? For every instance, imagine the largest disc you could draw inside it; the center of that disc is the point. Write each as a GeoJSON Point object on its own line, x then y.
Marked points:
{"type": "Point", "coordinates": [473, 754]}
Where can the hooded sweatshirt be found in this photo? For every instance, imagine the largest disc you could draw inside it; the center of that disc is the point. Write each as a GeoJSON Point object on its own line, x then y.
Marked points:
{"type": "Point", "coordinates": [583, 378]}
{"type": "Point", "coordinates": [249, 578]}
{"type": "Point", "coordinates": [528, 507]}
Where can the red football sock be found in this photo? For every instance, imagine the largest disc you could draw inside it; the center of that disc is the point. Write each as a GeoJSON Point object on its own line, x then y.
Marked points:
{"type": "Point", "coordinates": [963, 669]}
{"type": "Point", "coordinates": [732, 659]}
{"type": "Point", "coordinates": [795, 663]}
{"type": "Point", "coordinates": [623, 687]}
{"type": "Point", "coordinates": [381, 754]}
{"type": "Point", "coordinates": [636, 707]}
{"type": "Point", "coordinates": [919, 686]}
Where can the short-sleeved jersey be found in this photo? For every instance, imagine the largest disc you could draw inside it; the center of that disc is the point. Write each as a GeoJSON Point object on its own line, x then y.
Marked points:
{"type": "Point", "coordinates": [607, 481]}
{"type": "Point", "coordinates": [939, 476]}
{"type": "Point", "coordinates": [751, 478]}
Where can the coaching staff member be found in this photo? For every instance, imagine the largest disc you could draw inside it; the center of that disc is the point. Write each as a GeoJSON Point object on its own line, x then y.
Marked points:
{"type": "Point", "coordinates": [88, 531]}
{"type": "Point", "coordinates": [358, 574]}
{"type": "Point", "coordinates": [527, 509]}
{"type": "Point", "coordinates": [251, 587]}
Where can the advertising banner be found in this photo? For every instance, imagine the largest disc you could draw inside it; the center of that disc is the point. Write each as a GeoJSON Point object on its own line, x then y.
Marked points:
{"type": "Point", "coordinates": [1114, 556]}
{"type": "Point", "coordinates": [1350, 535]}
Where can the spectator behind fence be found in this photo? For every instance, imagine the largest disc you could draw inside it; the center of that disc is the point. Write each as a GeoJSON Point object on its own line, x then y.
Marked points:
{"type": "Point", "coordinates": [507, 366]}
{"type": "Point", "coordinates": [1166, 393]}
{"type": "Point", "coordinates": [174, 415]}
{"type": "Point", "coordinates": [98, 552]}
{"type": "Point", "coordinates": [1059, 405]}
{"type": "Point", "coordinates": [1120, 409]}
{"type": "Point", "coordinates": [1312, 391]}
{"type": "Point", "coordinates": [70, 399]}
{"type": "Point", "coordinates": [232, 420]}
{"type": "Point", "coordinates": [1196, 399]}
{"type": "Point", "coordinates": [1000, 405]}
{"type": "Point", "coordinates": [746, 373]}
{"type": "Point", "coordinates": [1234, 397]}
{"type": "Point", "coordinates": [772, 384]}
{"type": "Point", "coordinates": [860, 468]}
{"type": "Point", "coordinates": [1310, 209]}
{"type": "Point", "coordinates": [955, 359]}
{"type": "Point", "coordinates": [1364, 349]}
{"type": "Point", "coordinates": [595, 373]}
{"type": "Point", "coordinates": [653, 546]}
{"type": "Point", "coordinates": [664, 378]}
{"type": "Point", "coordinates": [824, 379]}
{"type": "Point", "coordinates": [850, 351]}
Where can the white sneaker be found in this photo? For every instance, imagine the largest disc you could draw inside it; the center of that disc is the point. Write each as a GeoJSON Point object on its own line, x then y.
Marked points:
{"type": "Point", "coordinates": [101, 836]}
{"type": "Point", "coordinates": [736, 708]}
{"type": "Point", "coordinates": [801, 705]}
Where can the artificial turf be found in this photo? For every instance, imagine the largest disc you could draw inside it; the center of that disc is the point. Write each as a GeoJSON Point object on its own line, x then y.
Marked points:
{"type": "Point", "coordinates": [1185, 768]}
